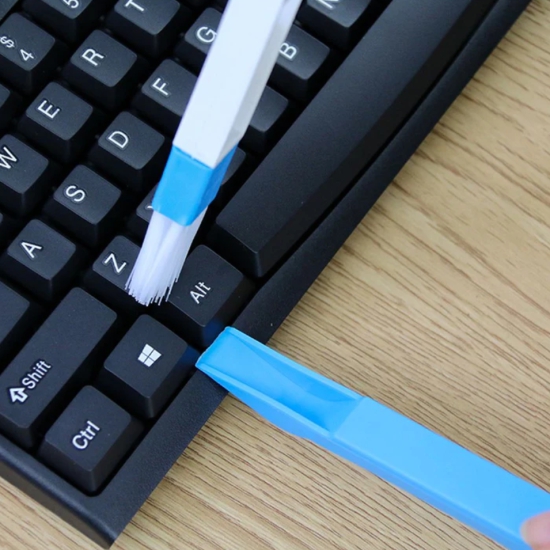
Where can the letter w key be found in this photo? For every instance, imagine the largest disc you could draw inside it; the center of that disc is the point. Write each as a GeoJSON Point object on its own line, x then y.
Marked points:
{"type": "Point", "coordinates": [25, 176]}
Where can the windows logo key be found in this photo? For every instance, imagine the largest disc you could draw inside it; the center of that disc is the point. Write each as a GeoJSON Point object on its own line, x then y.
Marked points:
{"type": "Point", "coordinates": [149, 355]}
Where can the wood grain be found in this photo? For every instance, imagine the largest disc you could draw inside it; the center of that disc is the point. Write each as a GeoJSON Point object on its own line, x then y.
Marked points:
{"type": "Point", "coordinates": [438, 306]}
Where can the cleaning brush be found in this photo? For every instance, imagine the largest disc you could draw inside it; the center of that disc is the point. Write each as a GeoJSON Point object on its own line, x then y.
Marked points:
{"type": "Point", "coordinates": [221, 106]}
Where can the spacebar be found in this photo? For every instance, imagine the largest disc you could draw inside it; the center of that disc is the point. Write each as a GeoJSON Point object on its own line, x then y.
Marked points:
{"type": "Point", "coordinates": [341, 131]}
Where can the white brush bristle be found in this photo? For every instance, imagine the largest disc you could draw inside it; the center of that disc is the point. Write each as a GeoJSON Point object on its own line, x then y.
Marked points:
{"type": "Point", "coordinates": [161, 258]}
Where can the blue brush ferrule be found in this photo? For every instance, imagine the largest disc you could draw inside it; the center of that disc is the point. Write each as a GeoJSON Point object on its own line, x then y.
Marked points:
{"type": "Point", "coordinates": [188, 186]}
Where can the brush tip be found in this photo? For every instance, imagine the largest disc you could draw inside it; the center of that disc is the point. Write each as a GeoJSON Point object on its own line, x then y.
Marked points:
{"type": "Point", "coordinates": [161, 258]}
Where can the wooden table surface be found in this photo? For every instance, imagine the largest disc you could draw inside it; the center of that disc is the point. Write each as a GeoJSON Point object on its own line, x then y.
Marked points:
{"type": "Point", "coordinates": [437, 306]}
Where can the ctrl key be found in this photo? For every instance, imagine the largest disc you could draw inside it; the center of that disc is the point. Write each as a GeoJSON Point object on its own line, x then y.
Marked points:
{"type": "Point", "coordinates": [89, 440]}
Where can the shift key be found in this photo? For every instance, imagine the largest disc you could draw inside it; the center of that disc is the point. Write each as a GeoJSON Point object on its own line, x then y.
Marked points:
{"type": "Point", "coordinates": [51, 366]}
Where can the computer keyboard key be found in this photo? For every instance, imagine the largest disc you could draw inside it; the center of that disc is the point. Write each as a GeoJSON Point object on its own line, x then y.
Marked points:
{"type": "Point", "coordinates": [109, 273]}
{"type": "Point", "coordinates": [207, 297]}
{"type": "Point", "coordinates": [104, 70]}
{"type": "Point", "coordinates": [58, 359]}
{"type": "Point", "coordinates": [268, 122]}
{"type": "Point", "coordinates": [89, 440]}
{"type": "Point", "coordinates": [26, 176]}
{"type": "Point", "coordinates": [146, 368]}
{"type": "Point", "coordinates": [132, 152]}
{"type": "Point", "coordinates": [68, 19]}
{"type": "Point", "coordinates": [9, 106]}
{"type": "Point", "coordinates": [28, 54]}
{"type": "Point", "coordinates": [336, 21]}
{"type": "Point", "coordinates": [139, 221]}
{"type": "Point", "coordinates": [42, 260]}
{"type": "Point", "coordinates": [194, 46]}
{"type": "Point", "coordinates": [149, 26]}
{"type": "Point", "coordinates": [163, 98]}
{"type": "Point", "coordinates": [6, 6]}
{"type": "Point", "coordinates": [306, 172]}
{"type": "Point", "coordinates": [86, 205]}
{"type": "Point", "coordinates": [60, 122]}
{"type": "Point", "coordinates": [301, 65]}
{"type": "Point", "coordinates": [18, 316]}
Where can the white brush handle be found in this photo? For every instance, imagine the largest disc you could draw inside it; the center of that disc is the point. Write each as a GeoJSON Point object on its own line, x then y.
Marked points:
{"type": "Point", "coordinates": [233, 78]}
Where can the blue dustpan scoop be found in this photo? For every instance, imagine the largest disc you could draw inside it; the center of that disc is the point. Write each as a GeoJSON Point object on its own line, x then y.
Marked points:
{"type": "Point", "coordinates": [460, 483]}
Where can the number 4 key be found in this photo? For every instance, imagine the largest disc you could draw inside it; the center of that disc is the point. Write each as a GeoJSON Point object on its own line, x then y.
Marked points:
{"type": "Point", "coordinates": [28, 54]}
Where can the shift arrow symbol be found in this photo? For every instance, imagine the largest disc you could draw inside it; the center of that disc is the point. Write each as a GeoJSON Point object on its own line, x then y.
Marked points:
{"type": "Point", "coordinates": [18, 395]}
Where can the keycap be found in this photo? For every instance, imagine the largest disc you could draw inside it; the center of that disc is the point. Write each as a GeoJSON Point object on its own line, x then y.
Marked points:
{"type": "Point", "coordinates": [6, 6]}
{"type": "Point", "coordinates": [207, 297]}
{"type": "Point", "coordinates": [195, 44]}
{"type": "Point", "coordinates": [9, 106]}
{"type": "Point", "coordinates": [109, 273]}
{"type": "Point", "coordinates": [268, 122]}
{"type": "Point", "coordinates": [26, 176]}
{"type": "Point", "coordinates": [18, 316]}
{"type": "Point", "coordinates": [57, 359]}
{"type": "Point", "coordinates": [104, 70]}
{"type": "Point", "coordinates": [89, 440]}
{"type": "Point", "coordinates": [60, 122]}
{"type": "Point", "coordinates": [307, 170]}
{"type": "Point", "coordinates": [301, 65]}
{"type": "Point", "coordinates": [28, 54]}
{"type": "Point", "coordinates": [139, 222]}
{"type": "Point", "coordinates": [132, 152]}
{"type": "Point", "coordinates": [42, 260]}
{"type": "Point", "coordinates": [150, 26]}
{"type": "Point", "coordinates": [146, 368]}
{"type": "Point", "coordinates": [86, 205]}
{"type": "Point", "coordinates": [68, 19]}
{"type": "Point", "coordinates": [339, 22]}
{"type": "Point", "coordinates": [164, 97]}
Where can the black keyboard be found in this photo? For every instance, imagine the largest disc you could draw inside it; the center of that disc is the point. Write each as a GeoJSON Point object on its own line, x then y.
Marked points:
{"type": "Point", "coordinates": [98, 395]}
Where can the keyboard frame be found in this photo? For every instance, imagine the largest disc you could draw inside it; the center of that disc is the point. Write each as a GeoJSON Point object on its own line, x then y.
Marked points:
{"type": "Point", "coordinates": [102, 518]}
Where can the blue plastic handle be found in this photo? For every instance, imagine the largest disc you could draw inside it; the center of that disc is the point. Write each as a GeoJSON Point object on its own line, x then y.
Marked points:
{"type": "Point", "coordinates": [445, 475]}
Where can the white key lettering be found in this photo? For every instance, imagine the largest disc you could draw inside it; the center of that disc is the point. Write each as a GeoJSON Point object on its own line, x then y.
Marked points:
{"type": "Point", "coordinates": [112, 259]}
{"type": "Point", "coordinates": [25, 55]}
{"type": "Point", "coordinates": [132, 4]}
{"type": "Point", "coordinates": [7, 157]}
{"type": "Point", "coordinates": [90, 55]}
{"type": "Point", "coordinates": [83, 438]}
{"type": "Point", "coordinates": [75, 194]}
{"type": "Point", "coordinates": [30, 249]}
{"type": "Point", "coordinates": [29, 382]}
{"type": "Point", "coordinates": [120, 139]}
{"type": "Point", "coordinates": [288, 51]}
{"type": "Point", "coordinates": [7, 42]}
{"type": "Point", "coordinates": [160, 86]}
{"type": "Point", "coordinates": [48, 109]}
{"type": "Point", "coordinates": [199, 292]}
{"type": "Point", "coordinates": [329, 4]}
{"type": "Point", "coordinates": [73, 4]}
{"type": "Point", "coordinates": [206, 35]}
